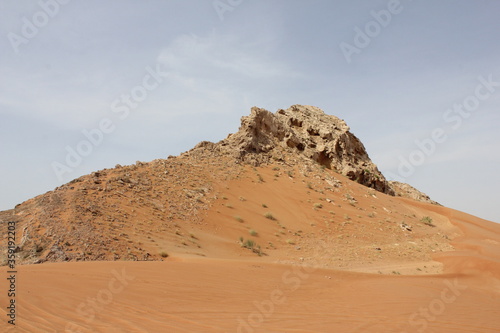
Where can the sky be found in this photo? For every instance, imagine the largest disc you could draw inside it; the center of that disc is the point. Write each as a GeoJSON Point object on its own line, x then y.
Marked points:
{"type": "Point", "coordinates": [86, 85]}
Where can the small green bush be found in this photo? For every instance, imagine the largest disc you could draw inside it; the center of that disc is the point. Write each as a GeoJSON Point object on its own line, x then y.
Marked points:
{"type": "Point", "coordinates": [427, 221]}
{"type": "Point", "coordinates": [269, 216]}
{"type": "Point", "coordinates": [249, 244]}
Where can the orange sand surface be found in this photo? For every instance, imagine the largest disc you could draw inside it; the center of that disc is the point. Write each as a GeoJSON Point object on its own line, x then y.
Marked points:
{"type": "Point", "coordinates": [348, 266]}
{"type": "Point", "coordinates": [214, 295]}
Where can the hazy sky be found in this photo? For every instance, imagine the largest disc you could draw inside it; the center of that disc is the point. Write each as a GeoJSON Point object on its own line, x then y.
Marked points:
{"type": "Point", "coordinates": [85, 85]}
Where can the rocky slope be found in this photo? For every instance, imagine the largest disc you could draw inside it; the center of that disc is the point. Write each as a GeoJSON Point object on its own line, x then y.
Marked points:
{"type": "Point", "coordinates": [407, 191]}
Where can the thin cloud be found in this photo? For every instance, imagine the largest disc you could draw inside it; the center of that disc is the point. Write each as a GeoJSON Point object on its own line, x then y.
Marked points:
{"type": "Point", "coordinates": [218, 58]}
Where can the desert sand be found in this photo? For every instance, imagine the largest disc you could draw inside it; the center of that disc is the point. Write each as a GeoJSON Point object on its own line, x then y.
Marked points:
{"type": "Point", "coordinates": [300, 287]}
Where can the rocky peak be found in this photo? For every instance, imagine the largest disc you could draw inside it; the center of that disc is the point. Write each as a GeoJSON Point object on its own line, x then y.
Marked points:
{"type": "Point", "coordinates": [308, 132]}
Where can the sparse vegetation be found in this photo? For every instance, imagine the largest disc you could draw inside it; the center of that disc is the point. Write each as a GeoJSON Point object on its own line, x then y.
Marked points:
{"type": "Point", "coordinates": [253, 233]}
{"type": "Point", "coordinates": [318, 205]}
{"type": "Point", "coordinates": [264, 205]}
{"type": "Point", "coordinates": [290, 241]}
{"type": "Point", "coordinates": [243, 199]}
{"type": "Point", "coordinates": [238, 218]}
{"type": "Point", "coordinates": [248, 244]}
{"type": "Point", "coordinates": [163, 254]}
{"type": "Point", "coordinates": [269, 216]}
{"type": "Point", "coordinates": [427, 221]}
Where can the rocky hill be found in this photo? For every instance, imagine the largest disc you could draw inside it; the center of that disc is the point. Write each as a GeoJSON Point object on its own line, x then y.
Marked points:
{"type": "Point", "coordinates": [147, 210]}
{"type": "Point", "coordinates": [304, 131]}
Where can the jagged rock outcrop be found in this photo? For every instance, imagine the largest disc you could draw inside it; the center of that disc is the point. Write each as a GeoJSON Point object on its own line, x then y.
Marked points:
{"type": "Point", "coordinates": [305, 131]}
{"type": "Point", "coordinates": [407, 191]}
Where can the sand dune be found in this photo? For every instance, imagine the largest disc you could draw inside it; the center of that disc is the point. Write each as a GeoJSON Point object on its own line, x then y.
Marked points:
{"type": "Point", "coordinates": [253, 294]}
